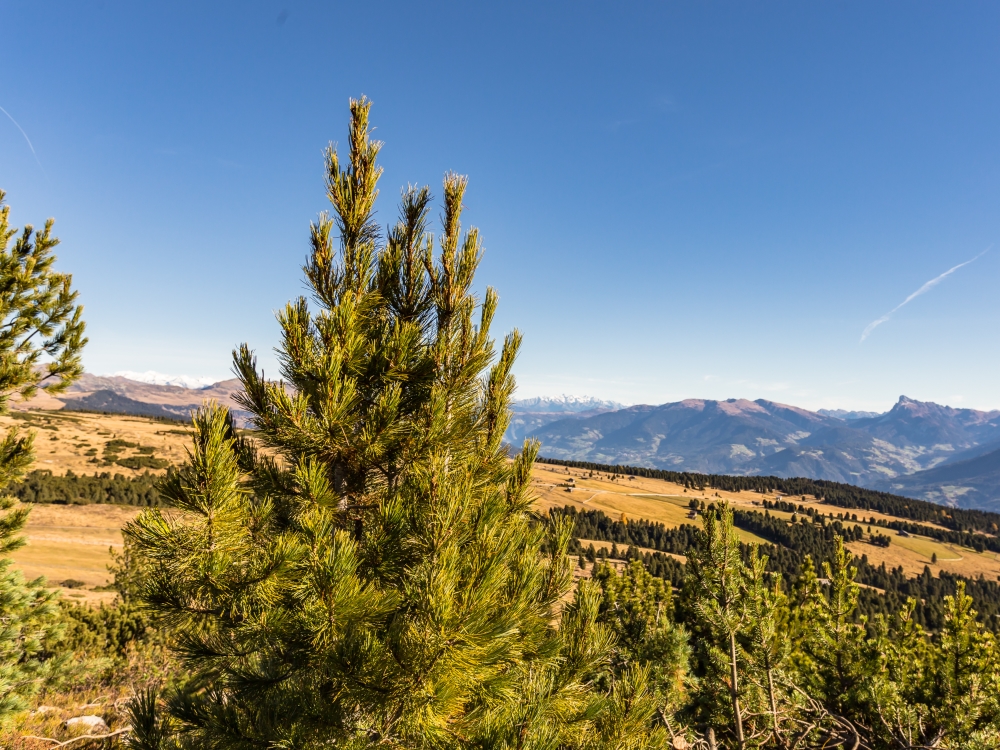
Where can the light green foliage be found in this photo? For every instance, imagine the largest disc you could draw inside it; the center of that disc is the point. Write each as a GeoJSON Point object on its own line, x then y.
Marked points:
{"type": "Point", "coordinates": [966, 699]}
{"type": "Point", "coordinates": [374, 575]}
{"type": "Point", "coordinates": [768, 649]}
{"type": "Point", "coordinates": [41, 336]}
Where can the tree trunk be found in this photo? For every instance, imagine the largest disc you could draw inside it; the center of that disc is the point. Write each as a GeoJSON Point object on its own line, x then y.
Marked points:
{"type": "Point", "coordinates": [774, 706]}
{"type": "Point", "coordinates": [735, 692]}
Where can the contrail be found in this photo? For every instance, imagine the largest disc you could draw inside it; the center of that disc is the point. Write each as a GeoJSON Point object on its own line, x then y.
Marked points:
{"type": "Point", "coordinates": [25, 138]}
{"type": "Point", "coordinates": [925, 288]}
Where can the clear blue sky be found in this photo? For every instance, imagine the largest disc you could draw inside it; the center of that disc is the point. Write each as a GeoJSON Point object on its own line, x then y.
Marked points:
{"type": "Point", "coordinates": [678, 199]}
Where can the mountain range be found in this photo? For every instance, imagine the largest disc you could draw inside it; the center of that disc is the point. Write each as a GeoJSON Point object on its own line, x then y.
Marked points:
{"type": "Point", "coordinates": [918, 449]}
{"type": "Point", "coordinates": [121, 395]}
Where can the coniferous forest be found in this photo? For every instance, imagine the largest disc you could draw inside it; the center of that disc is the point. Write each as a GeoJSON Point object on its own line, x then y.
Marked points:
{"type": "Point", "coordinates": [364, 568]}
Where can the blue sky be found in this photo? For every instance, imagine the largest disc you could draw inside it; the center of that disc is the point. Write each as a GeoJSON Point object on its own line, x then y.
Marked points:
{"type": "Point", "coordinates": [678, 199]}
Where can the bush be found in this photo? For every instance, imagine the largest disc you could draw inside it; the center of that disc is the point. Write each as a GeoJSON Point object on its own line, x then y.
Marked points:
{"type": "Point", "coordinates": [43, 487]}
{"type": "Point", "coordinates": [143, 462]}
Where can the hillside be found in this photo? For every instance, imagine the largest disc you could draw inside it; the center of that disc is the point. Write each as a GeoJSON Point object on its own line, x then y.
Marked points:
{"type": "Point", "coordinates": [69, 539]}
{"type": "Point", "coordinates": [889, 451]}
{"type": "Point", "coordinates": [119, 395]}
{"type": "Point", "coordinates": [969, 482]}
{"type": "Point", "coordinates": [86, 443]}
{"type": "Point", "coordinates": [666, 502]}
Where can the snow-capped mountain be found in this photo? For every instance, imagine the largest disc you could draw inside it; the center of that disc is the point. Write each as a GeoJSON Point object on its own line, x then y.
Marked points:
{"type": "Point", "coordinates": [158, 378]}
{"type": "Point", "coordinates": [564, 404]}
{"type": "Point", "coordinates": [531, 414]}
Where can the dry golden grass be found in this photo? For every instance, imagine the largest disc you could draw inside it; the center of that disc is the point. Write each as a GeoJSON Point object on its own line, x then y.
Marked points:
{"type": "Point", "coordinates": [650, 499]}
{"type": "Point", "coordinates": [914, 553]}
{"type": "Point", "coordinates": [73, 542]}
{"type": "Point", "coordinates": [75, 441]}
{"type": "Point", "coordinates": [556, 476]}
{"type": "Point", "coordinates": [666, 503]}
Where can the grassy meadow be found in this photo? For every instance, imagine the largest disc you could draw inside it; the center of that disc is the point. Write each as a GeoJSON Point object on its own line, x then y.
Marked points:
{"type": "Point", "coordinates": [82, 442]}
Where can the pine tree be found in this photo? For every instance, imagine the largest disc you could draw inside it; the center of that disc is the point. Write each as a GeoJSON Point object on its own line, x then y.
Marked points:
{"type": "Point", "coordinates": [365, 569]}
{"type": "Point", "coordinates": [41, 337]}
{"type": "Point", "coordinates": [715, 587]}
{"type": "Point", "coordinates": [939, 692]}
{"type": "Point", "coordinates": [767, 646]}
{"type": "Point", "coordinates": [835, 660]}
{"type": "Point", "coordinates": [834, 637]}
{"type": "Point", "coordinates": [965, 692]}
{"type": "Point", "coordinates": [899, 687]}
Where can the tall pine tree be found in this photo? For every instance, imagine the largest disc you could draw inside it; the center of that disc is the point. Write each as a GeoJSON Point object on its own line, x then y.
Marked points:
{"type": "Point", "coordinates": [365, 569]}
{"type": "Point", "coordinates": [41, 337]}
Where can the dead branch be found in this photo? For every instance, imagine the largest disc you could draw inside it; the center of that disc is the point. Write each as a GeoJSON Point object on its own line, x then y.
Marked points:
{"type": "Point", "coordinates": [65, 743]}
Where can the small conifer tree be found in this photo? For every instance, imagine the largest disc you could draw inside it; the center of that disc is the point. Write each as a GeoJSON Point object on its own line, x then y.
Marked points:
{"type": "Point", "coordinates": [365, 568]}
{"type": "Point", "coordinates": [833, 635]}
{"type": "Point", "coordinates": [638, 607]}
{"type": "Point", "coordinates": [715, 588]}
{"type": "Point", "coordinates": [767, 645]}
{"type": "Point", "coordinates": [41, 338]}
